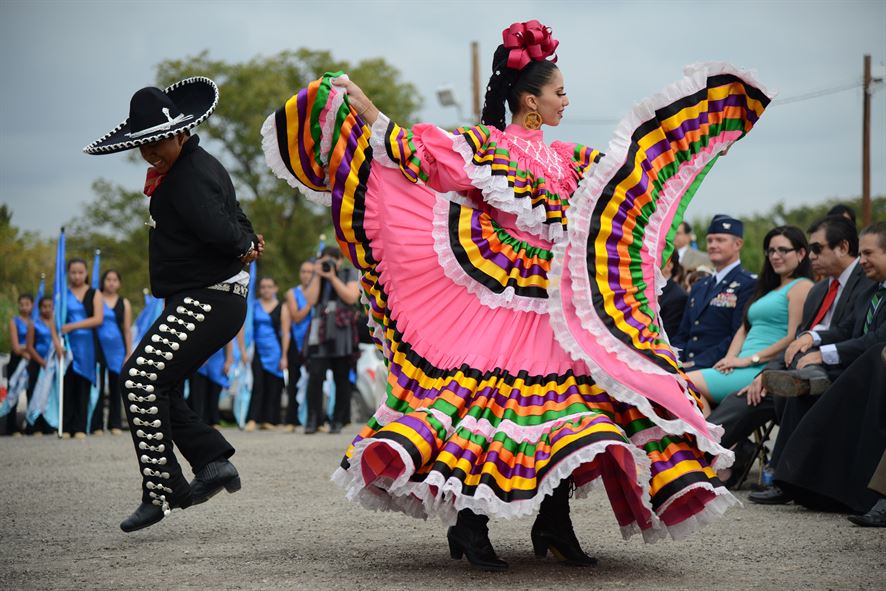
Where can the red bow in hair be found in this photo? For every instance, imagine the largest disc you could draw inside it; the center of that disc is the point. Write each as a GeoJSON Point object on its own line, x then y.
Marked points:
{"type": "Point", "coordinates": [529, 41]}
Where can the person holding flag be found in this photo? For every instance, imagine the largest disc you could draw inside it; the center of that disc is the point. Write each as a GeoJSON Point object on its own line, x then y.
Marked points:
{"type": "Point", "coordinates": [42, 338]}
{"type": "Point", "coordinates": [18, 361]}
{"type": "Point", "coordinates": [83, 312]}
{"type": "Point", "coordinates": [114, 338]}
{"type": "Point", "coordinates": [198, 244]}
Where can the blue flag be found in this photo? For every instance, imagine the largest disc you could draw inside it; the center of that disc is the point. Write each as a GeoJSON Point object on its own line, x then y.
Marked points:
{"type": "Point", "coordinates": [61, 312]}
{"type": "Point", "coordinates": [152, 310]}
{"type": "Point", "coordinates": [96, 265]}
{"type": "Point", "coordinates": [41, 289]}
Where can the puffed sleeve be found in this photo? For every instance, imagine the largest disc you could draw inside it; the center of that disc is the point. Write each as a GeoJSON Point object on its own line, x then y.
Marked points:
{"type": "Point", "coordinates": [423, 154]}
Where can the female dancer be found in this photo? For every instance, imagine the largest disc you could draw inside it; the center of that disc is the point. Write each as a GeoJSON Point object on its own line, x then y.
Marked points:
{"type": "Point", "coordinates": [18, 338]}
{"type": "Point", "coordinates": [198, 244]}
{"type": "Point", "coordinates": [115, 343]}
{"type": "Point", "coordinates": [41, 337]}
{"type": "Point", "coordinates": [271, 330]}
{"type": "Point", "coordinates": [84, 311]}
{"type": "Point", "coordinates": [771, 318]}
{"type": "Point", "coordinates": [517, 307]}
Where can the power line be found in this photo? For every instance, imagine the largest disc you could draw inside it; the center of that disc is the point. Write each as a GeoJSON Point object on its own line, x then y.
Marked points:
{"type": "Point", "coordinates": [817, 93]}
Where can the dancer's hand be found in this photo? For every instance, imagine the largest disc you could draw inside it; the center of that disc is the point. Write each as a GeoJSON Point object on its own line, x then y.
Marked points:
{"type": "Point", "coordinates": [358, 99]}
{"type": "Point", "coordinates": [260, 247]}
{"type": "Point", "coordinates": [284, 363]}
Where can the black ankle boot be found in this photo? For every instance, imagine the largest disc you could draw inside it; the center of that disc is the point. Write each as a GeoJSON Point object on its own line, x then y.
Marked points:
{"type": "Point", "coordinates": [215, 476]}
{"type": "Point", "coordinates": [469, 537]}
{"type": "Point", "coordinates": [553, 531]}
{"type": "Point", "coordinates": [147, 514]}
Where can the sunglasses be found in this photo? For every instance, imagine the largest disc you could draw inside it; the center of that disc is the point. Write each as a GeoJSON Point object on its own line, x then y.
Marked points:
{"type": "Point", "coordinates": [781, 251]}
{"type": "Point", "coordinates": [816, 248]}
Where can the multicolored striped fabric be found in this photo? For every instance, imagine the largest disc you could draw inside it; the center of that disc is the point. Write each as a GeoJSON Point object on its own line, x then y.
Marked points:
{"type": "Point", "coordinates": [491, 256]}
{"type": "Point", "coordinates": [624, 218]}
{"type": "Point", "coordinates": [486, 409]}
{"type": "Point", "coordinates": [487, 153]}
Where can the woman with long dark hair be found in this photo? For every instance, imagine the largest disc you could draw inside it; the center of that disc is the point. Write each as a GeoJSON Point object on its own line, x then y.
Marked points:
{"type": "Point", "coordinates": [18, 334]}
{"type": "Point", "coordinates": [84, 310]}
{"type": "Point", "coordinates": [771, 318]}
{"type": "Point", "coordinates": [42, 337]}
{"type": "Point", "coordinates": [513, 295]}
{"type": "Point", "coordinates": [115, 343]}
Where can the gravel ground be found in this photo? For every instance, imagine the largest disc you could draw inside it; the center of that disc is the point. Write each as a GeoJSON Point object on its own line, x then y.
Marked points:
{"type": "Point", "coordinates": [291, 528]}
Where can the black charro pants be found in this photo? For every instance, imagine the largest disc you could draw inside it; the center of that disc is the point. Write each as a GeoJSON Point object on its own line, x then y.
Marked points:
{"type": "Point", "coordinates": [194, 324]}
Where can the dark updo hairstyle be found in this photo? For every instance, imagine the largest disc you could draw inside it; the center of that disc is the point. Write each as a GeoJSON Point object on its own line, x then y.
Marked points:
{"type": "Point", "coordinates": [508, 85]}
{"type": "Point", "coordinates": [74, 261]}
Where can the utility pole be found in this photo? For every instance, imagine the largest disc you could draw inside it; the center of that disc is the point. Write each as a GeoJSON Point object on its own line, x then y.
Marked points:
{"type": "Point", "coordinates": [866, 145]}
{"type": "Point", "coordinates": [475, 79]}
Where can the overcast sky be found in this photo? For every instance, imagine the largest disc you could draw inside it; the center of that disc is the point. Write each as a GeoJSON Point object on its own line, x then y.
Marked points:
{"type": "Point", "coordinates": [69, 68]}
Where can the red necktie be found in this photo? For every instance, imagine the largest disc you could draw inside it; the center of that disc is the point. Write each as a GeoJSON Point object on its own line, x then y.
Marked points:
{"type": "Point", "coordinates": [826, 303]}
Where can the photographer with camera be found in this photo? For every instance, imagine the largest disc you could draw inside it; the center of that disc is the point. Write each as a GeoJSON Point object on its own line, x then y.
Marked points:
{"type": "Point", "coordinates": [332, 337]}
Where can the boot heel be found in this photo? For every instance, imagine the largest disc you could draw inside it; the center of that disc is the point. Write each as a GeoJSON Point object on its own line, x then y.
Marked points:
{"type": "Point", "coordinates": [455, 550]}
{"type": "Point", "coordinates": [233, 486]}
{"type": "Point", "coordinates": [539, 546]}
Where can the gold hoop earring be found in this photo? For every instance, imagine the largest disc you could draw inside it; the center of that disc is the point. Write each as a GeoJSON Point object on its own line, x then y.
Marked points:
{"type": "Point", "coordinates": [532, 120]}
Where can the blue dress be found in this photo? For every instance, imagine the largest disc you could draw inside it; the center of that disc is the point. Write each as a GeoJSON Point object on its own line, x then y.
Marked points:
{"type": "Point", "coordinates": [768, 318]}
{"type": "Point", "coordinates": [21, 328]}
{"type": "Point", "coordinates": [42, 338]}
{"type": "Point", "coordinates": [267, 342]}
{"type": "Point", "coordinates": [300, 329]}
{"type": "Point", "coordinates": [81, 340]}
{"type": "Point", "coordinates": [111, 340]}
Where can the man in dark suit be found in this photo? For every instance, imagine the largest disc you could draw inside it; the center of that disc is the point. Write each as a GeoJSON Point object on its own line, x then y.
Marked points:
{"type": "Point", "coordinates": [835, 350]}
{"type": "Point", "coordinates": [716, 303]}
{"type": "Point", "coordinates": [833, 251]}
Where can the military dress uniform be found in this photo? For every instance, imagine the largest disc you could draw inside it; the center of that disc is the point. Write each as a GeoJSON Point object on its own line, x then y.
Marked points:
{"type": "Point", "coordinates": [715, 309]}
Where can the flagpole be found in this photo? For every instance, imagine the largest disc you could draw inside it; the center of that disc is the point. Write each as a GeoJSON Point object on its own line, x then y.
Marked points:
{"type": "Point", "coordinates": [59, 319]}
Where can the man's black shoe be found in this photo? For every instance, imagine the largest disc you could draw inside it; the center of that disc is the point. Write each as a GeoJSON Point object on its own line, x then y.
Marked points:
{"type": "Point", "coordinates": [770, 496]}
{"type": "Point", "coordinates": [335, 428]}
{"type": "Point", "coordinates": [215, 476]}
{"type": "Point", "coordinates": [876, 517]}
{"type": "Point", "coordinates": [145, 516]}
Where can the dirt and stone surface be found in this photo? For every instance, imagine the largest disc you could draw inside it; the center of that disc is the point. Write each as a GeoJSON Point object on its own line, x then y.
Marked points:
{"type": "Point", "coordinates": [291, 528]}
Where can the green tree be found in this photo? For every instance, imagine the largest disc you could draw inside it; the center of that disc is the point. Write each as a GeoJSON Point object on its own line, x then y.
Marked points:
{"type": "Point", "coordinates": [25, 257]}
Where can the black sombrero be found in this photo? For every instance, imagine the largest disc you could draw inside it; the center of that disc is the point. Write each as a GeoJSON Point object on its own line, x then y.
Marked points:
{"type": "Point", "coordinates": [156, 114]}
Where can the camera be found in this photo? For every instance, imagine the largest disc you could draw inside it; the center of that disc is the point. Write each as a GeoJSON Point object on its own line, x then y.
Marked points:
{"type": "Point", "coordinates": [327, 266]}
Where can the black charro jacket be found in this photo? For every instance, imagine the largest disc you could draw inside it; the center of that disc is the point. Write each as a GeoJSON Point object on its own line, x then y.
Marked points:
{"type": "Point", "coordinates": [198, 231]}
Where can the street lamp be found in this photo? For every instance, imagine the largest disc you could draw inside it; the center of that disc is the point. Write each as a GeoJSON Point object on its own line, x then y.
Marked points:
{"type": "Point", "coordinates": [447, 98]}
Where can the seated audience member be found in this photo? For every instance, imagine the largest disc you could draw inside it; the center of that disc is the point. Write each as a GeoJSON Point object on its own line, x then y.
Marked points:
{"type": "Point", "coordinates": [829, 458]}
{"type": "Point", "coordinates": [691, 258]}
{"type": "Point", "coordinates": [771, 319]}
{"type": "Point", "coordinates": [876, 515]}
{"type": "Point", "coordinates": [833, 252]}
{"type": "Point", "coordinates": [716, 304]}
{"type": "Point", "coordinates": [693, 277]}
{"type": "Point", "coordinates": [862, 386]}
{"type": "Point", "coordinates": [843, 211]}
{"type": "Point", "coordinates": [673, 298]}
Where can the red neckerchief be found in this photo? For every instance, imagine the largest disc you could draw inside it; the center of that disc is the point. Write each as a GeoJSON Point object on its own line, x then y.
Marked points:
{"type": "Point", "coordinates": [153, 180]}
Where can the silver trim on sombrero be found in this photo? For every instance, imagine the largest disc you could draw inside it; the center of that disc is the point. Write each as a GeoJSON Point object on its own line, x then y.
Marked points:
{"type": "Point", "coordinates": [94, 148]}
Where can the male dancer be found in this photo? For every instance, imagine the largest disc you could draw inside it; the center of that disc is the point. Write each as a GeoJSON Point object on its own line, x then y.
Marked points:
{"type": "Point", "coordinates": [199, 242]}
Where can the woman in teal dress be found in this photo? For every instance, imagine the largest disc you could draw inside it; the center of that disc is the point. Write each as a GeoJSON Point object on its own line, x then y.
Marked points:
{"type": "Point", "coordinates": [771, 319]}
